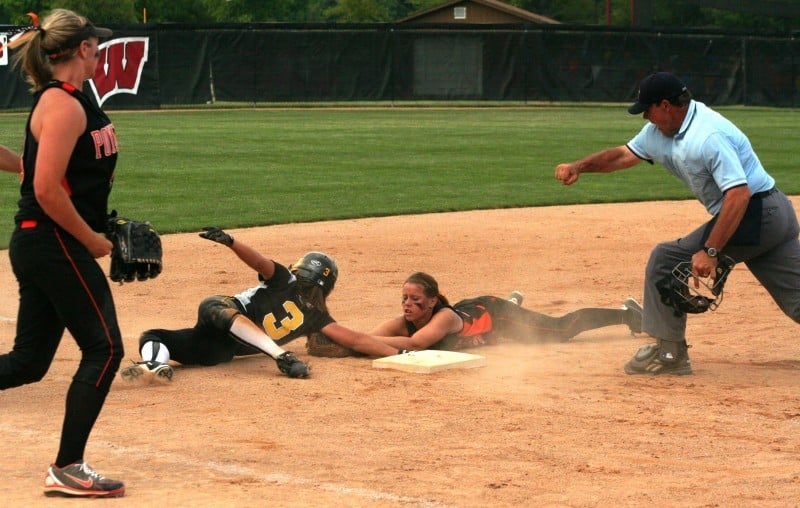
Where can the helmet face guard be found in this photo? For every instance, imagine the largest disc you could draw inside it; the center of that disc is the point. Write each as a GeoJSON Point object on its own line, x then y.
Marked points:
{"type": "Point", "coordinates": [317, 268]}
{"type": "Point", "coordinates": [689, 294]}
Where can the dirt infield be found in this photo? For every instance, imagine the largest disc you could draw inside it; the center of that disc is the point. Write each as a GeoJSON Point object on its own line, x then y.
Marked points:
{"type": "Point", "coordinates": [540, 425]}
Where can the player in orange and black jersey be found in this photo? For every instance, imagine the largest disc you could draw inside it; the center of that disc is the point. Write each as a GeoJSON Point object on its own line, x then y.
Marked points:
{"type": "Point", "coordinates": [430, 322]}
{"type": "Point", "coordinates": [287, 304]}
{"type": "Point", "coordinates": [68, 163]}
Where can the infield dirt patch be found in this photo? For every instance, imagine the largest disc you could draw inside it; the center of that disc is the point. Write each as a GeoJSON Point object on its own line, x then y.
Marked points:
{"type": "Point", "coordinates": [539, 425]}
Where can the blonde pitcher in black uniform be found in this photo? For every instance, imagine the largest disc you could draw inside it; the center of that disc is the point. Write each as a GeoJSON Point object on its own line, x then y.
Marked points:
{"type": "Point", "coordinates": [68, 161]}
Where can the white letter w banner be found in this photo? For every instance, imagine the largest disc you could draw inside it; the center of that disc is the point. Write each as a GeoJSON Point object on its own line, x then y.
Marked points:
{"type": "Point", "coordinates": [120, 67]}
{"type": "Point", "coordinates": [3, 49]}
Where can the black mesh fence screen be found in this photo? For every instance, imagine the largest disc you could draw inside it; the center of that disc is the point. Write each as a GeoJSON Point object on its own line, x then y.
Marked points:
{"type": "Point", "coordinates": [147, 66]}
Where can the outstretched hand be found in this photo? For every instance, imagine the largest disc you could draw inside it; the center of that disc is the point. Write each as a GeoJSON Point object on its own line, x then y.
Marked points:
{"type": "Point", "coordinates": [216, 234]}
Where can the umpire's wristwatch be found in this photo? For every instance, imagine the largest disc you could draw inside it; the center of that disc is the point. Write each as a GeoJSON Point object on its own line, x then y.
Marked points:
{"type": "Point", "coordinates": [711, 251]}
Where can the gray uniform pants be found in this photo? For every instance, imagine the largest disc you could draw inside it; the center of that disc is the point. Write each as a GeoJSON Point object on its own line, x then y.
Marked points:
{"type": "Point", "coordinates": [771, 252]}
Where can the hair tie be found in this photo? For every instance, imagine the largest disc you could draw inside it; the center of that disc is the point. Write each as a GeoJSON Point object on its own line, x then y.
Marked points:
{"type": "Point", "coordinates": [35, 18]}
{"type": "Point", "coordinates": [36, 25]}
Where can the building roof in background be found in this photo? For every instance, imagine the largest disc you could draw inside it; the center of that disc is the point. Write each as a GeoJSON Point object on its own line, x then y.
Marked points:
{"type": "Point", "coordinates": [510, 10]}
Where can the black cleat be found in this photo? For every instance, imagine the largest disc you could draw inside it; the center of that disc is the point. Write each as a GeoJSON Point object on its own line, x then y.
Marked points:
{"type": "Point", "coordinates": [653, 360]}
{"type": "Point", "coordinates": [290, 365]}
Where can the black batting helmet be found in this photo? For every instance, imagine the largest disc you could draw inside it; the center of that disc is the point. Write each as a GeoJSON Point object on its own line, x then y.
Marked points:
{"type": "Point", "coordinates": [317, 268]}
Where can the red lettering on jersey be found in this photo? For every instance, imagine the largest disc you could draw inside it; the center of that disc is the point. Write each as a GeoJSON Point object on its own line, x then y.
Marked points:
{"type": "Point", "coordinates": [105, 141]}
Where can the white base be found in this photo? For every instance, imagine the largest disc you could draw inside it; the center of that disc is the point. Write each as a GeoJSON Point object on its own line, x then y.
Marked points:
{"type": "Point", "coordinates": [430, 360]}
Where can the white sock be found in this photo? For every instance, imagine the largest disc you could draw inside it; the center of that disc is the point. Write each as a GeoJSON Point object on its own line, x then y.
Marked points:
{"type": "Point", "coordinates": [152, 350]}
{"type": "Point", "coordinates": [247, 332]}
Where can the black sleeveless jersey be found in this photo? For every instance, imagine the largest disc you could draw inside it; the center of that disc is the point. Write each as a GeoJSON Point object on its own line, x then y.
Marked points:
{"type": "Point", "coordinates": [477, 316]}
{"type": "Point", "coordinates": [90, 171]}
{"type": "Point", "coordinates": [411, 328]}
{"type": "Point", "coordinates": [473, 313]}
{"type": "Point", "coordinates": [279, 309]}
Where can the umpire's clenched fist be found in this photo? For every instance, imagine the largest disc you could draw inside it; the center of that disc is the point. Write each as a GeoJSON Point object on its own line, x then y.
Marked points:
{"type": "Point", "coordinates": [567, 173]}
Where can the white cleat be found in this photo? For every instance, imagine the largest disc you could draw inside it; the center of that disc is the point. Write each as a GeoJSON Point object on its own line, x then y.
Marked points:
{"type": "Point", "coordinates": [516, 298]}
{"type": "Point", "coordinates": [145, 372]}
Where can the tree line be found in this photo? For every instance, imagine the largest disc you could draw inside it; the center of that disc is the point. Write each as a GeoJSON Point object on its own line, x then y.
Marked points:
{"type": "Point", "coordinates": [672, 14]}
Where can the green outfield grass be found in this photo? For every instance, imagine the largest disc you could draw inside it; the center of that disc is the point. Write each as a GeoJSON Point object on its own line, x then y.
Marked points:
{"type": "Point", "coordinates": [234, 168]}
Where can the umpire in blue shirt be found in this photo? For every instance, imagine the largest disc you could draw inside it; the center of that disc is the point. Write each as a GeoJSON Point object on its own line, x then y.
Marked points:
{"type": "Point", "coordinates": [752, 221]}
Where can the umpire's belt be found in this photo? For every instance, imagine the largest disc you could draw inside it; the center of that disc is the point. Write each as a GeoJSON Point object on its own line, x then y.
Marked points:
{"type": "Point", "coordinates": [763, 194]}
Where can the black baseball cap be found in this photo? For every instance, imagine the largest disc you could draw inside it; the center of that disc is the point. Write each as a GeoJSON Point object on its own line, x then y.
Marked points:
{"type": "Point", "coordinates": [655, 88]}
{"type": "Point", "coordinates": [98, 31]}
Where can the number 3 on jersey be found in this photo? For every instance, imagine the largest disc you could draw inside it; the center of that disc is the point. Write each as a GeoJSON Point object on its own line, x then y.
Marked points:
{"type": "Point", "coordinates": [280, 329]}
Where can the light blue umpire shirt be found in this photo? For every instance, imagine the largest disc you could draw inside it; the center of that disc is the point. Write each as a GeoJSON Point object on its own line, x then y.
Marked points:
{"type": "Point", "coordinates": [709, 153]}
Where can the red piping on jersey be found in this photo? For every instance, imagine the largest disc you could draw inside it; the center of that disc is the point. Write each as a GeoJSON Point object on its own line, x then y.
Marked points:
{"type": "Point", "coordinates": [68, 87]}
{"type": "Point", "coordinates": [94, 304]}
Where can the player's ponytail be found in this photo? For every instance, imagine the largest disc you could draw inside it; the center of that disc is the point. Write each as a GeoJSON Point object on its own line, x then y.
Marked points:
{"type": "Point", "coordinates": [55, 40]}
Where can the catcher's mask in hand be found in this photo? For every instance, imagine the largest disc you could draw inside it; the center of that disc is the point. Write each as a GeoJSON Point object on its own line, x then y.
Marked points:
{"type": "Point", "coordinates": [687, 293]}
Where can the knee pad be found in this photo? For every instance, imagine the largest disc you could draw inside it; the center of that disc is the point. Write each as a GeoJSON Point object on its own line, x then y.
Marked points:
{"type": "Point", "coordinates": [218, 312]}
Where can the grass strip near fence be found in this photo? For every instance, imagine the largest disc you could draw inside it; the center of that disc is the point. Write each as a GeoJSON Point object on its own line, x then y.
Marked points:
{"type": "Point", "coordinates": [183, 169]}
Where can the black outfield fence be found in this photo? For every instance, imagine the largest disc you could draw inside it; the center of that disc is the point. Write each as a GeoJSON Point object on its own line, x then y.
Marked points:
{"type": "Point", "coordinates": [154, 65]}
